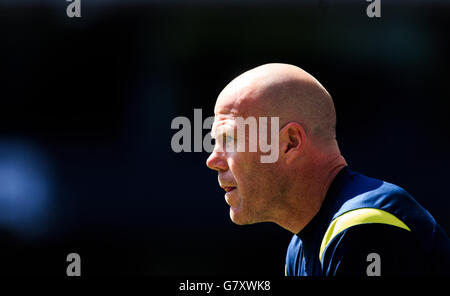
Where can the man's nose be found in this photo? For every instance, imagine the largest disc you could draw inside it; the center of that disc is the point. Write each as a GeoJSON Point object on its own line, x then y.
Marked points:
{"type": "Point", "coordinates": [216, 161]}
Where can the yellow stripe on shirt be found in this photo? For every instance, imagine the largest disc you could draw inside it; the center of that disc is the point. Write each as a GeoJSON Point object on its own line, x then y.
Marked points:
{"type": "Point", "coordinates": [357, 217]}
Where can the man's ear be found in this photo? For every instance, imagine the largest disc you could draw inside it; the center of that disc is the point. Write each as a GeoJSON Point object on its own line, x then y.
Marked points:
{"type": "Point", "coordinates": [292, 141]}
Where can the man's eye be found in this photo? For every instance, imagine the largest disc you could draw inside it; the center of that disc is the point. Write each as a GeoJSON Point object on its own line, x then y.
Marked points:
{"type": "Point", "coordinates": [228, 139]}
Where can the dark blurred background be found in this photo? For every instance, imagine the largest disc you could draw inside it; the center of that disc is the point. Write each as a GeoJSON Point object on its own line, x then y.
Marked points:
{"type": "Point", "coordinates": [86, 106]}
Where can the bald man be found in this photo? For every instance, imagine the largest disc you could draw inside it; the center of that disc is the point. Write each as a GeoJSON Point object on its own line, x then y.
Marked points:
{"type": "Point", "coordinates": [343, 222]}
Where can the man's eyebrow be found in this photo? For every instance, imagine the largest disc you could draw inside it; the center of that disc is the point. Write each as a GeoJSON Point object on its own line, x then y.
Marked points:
{"type": "Point", "coordinates": [220, 130]}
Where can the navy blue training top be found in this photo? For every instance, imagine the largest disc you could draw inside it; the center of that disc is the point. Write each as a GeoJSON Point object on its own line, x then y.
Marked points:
{"type": "Point", "coordinates": [365, 227]}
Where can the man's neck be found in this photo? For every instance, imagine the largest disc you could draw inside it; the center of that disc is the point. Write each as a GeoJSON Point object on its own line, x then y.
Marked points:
{"type": "Point", "coordinates": [307, 199]}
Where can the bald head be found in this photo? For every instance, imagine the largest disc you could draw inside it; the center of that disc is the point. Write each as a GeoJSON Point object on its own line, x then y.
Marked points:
{"type": "Point", "coordinates": [284, 91]}
{"type": "Point", "coordinates": [290, 189]}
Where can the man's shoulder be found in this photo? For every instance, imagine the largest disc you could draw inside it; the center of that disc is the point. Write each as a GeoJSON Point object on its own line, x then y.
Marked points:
{"type": "Point", "coordinates": [371, 210]}
{"type": "Point", "coordinates": [362, 192]}
{"type": "Point", "coordinates": [364, 200]}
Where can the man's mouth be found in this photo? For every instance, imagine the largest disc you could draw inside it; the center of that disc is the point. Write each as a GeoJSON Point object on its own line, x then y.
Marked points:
{"type": "Point", "coordinates": [229, 188]}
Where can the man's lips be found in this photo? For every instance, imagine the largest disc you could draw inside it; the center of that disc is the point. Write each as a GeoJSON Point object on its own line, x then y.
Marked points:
{"type": "Point", "coordinates": [228, 188]}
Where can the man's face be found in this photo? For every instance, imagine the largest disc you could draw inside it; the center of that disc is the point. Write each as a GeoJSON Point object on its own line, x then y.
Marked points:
{"type": "Point", "coordinates": [248, 182]}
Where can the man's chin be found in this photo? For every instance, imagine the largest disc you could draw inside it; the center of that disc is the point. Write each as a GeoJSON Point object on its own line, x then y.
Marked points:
{"type": "Point", "coordinates": [237, 217]}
